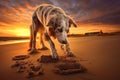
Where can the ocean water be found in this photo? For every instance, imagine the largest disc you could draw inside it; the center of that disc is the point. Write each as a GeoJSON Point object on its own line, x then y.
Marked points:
{"type": "Point", "coordinates": [13, 41]}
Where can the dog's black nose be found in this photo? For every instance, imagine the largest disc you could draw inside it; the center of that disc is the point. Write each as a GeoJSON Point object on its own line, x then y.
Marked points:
{"type": "Point", "coordinates": [64, 42]}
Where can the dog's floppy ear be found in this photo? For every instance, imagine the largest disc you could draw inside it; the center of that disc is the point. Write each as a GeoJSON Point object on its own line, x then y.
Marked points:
{"type": "Point", "coordinates": [52, 21]}
{"type": "Point", "coordinates": [71, 21]}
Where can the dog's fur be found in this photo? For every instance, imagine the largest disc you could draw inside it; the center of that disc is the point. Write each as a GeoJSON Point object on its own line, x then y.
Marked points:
{"type": "Point", "coordinates": [52, 21]}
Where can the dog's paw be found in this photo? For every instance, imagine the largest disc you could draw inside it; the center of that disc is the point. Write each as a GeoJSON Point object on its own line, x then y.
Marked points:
{"type": "Point", "coordinates": [33, 51]}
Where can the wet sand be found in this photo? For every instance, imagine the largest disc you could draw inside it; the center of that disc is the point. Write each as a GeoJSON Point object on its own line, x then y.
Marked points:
{"type": "Point", "coordinates": [100, 55]}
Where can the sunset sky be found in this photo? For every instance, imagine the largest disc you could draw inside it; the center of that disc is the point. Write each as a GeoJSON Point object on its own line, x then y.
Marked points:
{"type": "Point", "coordinates": [90, 15]}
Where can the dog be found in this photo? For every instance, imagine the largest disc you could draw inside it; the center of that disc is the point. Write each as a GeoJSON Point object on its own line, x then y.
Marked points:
{"type": "Point", "coordinates": [50, 20]}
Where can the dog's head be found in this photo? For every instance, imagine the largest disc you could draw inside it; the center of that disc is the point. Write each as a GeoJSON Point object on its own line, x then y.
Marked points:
{"type": "Point", "coordinates": [59, 27]}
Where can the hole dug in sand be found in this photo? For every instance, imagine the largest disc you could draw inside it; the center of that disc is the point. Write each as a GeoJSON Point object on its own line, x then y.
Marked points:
{"type": "Point", "coordinates": [69, 66]}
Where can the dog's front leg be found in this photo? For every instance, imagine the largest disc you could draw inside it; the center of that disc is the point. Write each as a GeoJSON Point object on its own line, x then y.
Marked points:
{"type": "Point", "coordinates": [68, 50]}
{"type": "Point", "coordinates": [52, 46]}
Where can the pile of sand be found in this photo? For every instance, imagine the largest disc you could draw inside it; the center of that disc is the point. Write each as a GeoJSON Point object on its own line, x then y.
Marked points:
{"type": "Point", "coordinates": [23, 65]}
{"type": "Point", "coordinates": [47, 59]}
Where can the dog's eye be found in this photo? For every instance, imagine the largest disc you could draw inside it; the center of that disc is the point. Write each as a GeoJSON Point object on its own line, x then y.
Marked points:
{"type": "Point", "coordinates": [60, 29]}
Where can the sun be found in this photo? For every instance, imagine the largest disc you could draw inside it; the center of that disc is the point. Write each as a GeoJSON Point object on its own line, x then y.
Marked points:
{"type": "Point", "coordinates": [20, 32]}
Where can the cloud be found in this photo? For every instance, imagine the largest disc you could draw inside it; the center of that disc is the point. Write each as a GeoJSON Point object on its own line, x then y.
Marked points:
{"type": "Point", "coordinates": [111, 19]}
{"type": "Point", "coordinates": [99, 11]}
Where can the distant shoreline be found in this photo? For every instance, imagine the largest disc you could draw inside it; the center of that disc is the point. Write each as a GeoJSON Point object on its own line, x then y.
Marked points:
{"type": "Point", "coordinates": [69, 35]}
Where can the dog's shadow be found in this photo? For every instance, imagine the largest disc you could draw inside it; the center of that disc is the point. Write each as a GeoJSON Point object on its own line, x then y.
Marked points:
{"type": "Point", "coordinates": [36, 51]}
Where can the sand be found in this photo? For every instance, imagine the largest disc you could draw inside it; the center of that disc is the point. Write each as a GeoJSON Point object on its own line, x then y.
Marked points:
{"type": "Point", "coordinates": [99, 55]}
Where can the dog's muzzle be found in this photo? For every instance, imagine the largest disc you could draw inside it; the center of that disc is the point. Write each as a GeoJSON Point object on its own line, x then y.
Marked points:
{"type": "Point", "coordinates": [64, 42]}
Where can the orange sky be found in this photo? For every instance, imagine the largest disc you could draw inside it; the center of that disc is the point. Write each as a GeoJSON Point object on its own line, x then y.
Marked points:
{"type": "Point", "coordinates": [17, 30]}
{"type": "Point", "coordinates": [15, 16]}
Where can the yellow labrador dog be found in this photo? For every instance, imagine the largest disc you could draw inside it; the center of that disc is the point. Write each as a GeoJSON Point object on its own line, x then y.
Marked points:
{"type": "Point", "coordinates": [50, 21]}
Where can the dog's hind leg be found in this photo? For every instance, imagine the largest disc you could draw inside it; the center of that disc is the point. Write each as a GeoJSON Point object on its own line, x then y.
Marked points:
{"type": "Point", "coordinates": [42, 43]}
{"type": "Point", "coordinates": [52, 46]}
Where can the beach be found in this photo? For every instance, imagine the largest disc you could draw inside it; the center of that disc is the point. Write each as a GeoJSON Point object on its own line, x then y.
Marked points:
{"type": "Point", "coordinates": [100, 55]}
